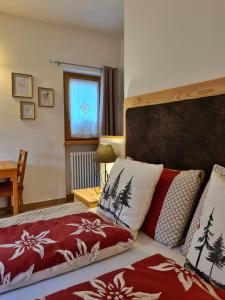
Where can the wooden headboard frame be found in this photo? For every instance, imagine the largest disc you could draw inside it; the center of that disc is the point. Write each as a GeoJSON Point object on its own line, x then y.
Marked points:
{"type": "Point", "coordinates": [192, 91]}
{"type": "Point", "coordinates": [158, 132]}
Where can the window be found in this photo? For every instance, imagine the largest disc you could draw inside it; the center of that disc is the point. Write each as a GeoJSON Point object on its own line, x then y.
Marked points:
{"type": "Point", "coordinates": [81, 106]}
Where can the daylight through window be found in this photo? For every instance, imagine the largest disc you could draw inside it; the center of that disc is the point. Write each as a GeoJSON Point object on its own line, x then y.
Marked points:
{"type": "Point", "coordinates": [81, 106]}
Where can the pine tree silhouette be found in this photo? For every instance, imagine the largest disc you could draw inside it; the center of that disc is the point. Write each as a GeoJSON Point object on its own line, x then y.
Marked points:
{"type": "Point", "coordinates": [113, 192]}
{"type": "Point", "coordinates": [107, 193]}
{"type": "Point", "coordinates": [103, 193]}
{"type": "Point", "coordinates": [116, 203]}
{"type": "Point", "coordinates": [205, 239]}
{"type": "Point", "coordinates": [124, 196]}
{"type": "Point", "coordinates": [216, 254]}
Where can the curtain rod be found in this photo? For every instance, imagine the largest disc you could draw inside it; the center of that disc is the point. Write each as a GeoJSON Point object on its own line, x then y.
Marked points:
{"type": "Point", "coordinates": [71, 64]}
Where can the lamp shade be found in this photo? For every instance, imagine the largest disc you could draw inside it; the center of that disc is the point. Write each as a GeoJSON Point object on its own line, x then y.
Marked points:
{"type": "Point", "coordinates": [104, 154]}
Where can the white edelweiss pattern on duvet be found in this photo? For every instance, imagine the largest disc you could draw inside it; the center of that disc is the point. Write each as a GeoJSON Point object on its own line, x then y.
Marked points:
{"type": "Point", "coordinates": [5, 279]}
{"type": "Point", "coordinates": [29, 242]}
{"type": "Point", "coordinates": [115, 290]}
{"type": "Point", "coordinates": [95, 226]}
{"type": "Point", "coordinates": [186, 277]}
{"type": "Point", "coordinates": [82, 256]}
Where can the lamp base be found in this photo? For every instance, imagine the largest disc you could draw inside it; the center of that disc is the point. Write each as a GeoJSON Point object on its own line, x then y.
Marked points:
{"type": "Point", "coordinates": [103, 176]}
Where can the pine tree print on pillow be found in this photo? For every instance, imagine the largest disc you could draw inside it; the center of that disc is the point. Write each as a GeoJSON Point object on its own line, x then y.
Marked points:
{"type": "Point", "coordinates": [128, 192]}
{"type": "Point", "coordinates": [216, 255]}
{"type": "Point", "coordinates": [122, 200]}
{"type": "Point", "coordinates": [117, 201]}
{"type": "Point", "coordinates": [207, 252]}
{"type": "Point", "coordinates": [204, 239]}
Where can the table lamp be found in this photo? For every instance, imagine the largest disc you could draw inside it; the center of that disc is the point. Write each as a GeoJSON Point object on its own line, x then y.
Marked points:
{"type": "Point", "coordinates": [105, 154]}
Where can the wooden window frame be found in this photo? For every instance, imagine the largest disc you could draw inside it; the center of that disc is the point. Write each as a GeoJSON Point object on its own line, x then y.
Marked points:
{"type": "Point", "coordinates": [69, 140]}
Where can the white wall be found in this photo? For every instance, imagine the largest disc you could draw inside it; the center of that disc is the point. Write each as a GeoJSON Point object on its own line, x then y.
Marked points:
{"type": "Point", "coordinates": [26, 47]}
{"type": "Point", "coordinates": [172, 43]}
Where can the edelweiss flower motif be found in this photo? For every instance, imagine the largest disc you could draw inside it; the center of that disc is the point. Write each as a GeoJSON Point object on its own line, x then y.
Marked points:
{"type": "Point", "coordinates": [114, 291]}
{"type": "Point", "coordinates": [5, 279]}
{"type": "Point", "coordinates": [82, 256]}
{"type": "Point", "coordinates": [186, 277]}
{"type": "Point", "coordinates": [28, 242]}
{"type": "Point", "coordinates": [88, 226]}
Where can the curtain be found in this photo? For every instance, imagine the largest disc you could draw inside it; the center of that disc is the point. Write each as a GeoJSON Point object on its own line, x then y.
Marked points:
{"type": "Point", "coordinates": [109, 103]}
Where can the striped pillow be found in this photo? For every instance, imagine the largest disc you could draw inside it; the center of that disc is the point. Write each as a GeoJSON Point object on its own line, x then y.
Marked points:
{"type": "Point", "coordinates": [172, 205]}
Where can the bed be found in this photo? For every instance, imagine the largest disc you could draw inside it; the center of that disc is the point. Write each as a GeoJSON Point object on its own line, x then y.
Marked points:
{"type": "Point", "coordinates": [143, 126]}
{"type": "Point", "coordinates": [143, 247]}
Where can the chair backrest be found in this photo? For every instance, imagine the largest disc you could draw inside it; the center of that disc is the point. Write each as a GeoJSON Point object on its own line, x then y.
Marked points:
{"type": "Point", "coordinates": [21, 167]}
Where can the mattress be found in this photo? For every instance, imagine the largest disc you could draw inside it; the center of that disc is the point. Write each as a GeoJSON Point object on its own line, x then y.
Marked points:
{"type": "Point", "coordinates": [142, 248]}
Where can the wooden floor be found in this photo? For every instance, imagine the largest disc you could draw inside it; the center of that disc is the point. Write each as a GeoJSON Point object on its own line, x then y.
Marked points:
{"type": "Point", "coordinates": [7, 211]}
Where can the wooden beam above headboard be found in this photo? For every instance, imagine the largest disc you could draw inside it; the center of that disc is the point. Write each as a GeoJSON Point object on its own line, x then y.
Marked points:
{"type": "Point", "coordinates": [183, 135]}
{"type": "Point", "coordinates": [192, 91]}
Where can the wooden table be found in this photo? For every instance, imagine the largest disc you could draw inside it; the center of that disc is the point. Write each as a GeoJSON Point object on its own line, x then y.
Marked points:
{"type": "Point", "coordinates": [8, 169]}
{"type": "Point", "coordinates": [88, 196]}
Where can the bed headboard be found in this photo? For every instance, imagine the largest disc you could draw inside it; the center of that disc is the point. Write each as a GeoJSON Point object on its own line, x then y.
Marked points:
{"type": "Point", "coordinates": [165, 127]}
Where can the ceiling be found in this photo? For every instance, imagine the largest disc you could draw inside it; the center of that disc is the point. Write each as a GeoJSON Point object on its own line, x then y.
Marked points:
{"type": "Point", "coordinates": [100, 15]}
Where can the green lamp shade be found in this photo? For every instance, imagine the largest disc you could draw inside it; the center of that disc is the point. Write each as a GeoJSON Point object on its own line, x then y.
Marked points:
{"type": "Point", "coordinates": [104, 154]}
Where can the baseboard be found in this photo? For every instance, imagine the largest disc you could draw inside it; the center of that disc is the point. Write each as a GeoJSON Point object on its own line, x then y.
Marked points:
{"type": "Point", "coordinates": [70, 197]}
{"type": "Point", "coordinates": [7, 211]}
{"type": "Point", "coordinates": [44, 204]}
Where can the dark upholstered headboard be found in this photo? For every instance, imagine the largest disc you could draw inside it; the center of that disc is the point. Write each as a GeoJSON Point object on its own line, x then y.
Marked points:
{"type": "Point", "coordinates": [188, 134]}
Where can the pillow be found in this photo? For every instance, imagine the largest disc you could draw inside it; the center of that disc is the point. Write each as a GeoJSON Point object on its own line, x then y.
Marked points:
{"type": "Point", "coordinates": [128, 192]}
{"type": "Point", "coordinates": [207, 252]}
{"type": "Point", "coordinates": [37, 250]}
{"type": "Point", "coordinates": [196, 219]}
{"type": "Point", "coordinates": [172, 204]}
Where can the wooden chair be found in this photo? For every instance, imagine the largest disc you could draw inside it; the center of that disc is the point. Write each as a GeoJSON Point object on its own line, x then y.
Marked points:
{"type": "Point", "coordinates": [6, 187]}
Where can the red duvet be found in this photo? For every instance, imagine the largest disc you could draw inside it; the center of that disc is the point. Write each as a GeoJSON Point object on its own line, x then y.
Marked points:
{"type": "Point", "coordinates": [155, 277]}
{"type": "Point", "coordinates": [35, 251]}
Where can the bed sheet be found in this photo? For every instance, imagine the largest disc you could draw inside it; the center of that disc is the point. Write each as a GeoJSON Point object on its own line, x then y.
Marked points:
{"type": "Point", "coordinates": [142, 248]}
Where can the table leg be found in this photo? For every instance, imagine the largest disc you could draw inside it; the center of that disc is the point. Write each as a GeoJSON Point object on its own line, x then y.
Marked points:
{"type": "Point", "coordinates": [15, 194]}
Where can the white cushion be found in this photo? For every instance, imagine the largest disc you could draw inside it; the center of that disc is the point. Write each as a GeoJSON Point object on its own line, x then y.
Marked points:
{"type": "Point", "coordinates": [128, 192]}
{"type": "Point", "coordinates": [207, 252]}
{"type": "Point", "coordinates": [198, 212]}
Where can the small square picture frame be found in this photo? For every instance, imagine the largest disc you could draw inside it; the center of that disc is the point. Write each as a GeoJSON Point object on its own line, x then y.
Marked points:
{"type": "Point", "coordinates": [45, 97]}
{"type": "Point", "coordinates": [27, 110]}
{"type": "Point", "coordinates": [22, 85]}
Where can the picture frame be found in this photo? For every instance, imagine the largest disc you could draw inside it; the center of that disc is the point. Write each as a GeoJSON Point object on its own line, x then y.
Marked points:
{"type": "Point", "coordinates": [27, 110]}
{"type": "Point", "coordinates": [22, 85]}
{"type": "Point", "coordinates": [45, 97]}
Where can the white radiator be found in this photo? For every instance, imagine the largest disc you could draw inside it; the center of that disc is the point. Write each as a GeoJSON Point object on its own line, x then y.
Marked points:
{"type": "Point", "coordinates": [84, 172]}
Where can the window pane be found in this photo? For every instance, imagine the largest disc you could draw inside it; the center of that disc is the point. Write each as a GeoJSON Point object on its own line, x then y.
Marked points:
{"type": "Point", "coordinates": [83, 96]}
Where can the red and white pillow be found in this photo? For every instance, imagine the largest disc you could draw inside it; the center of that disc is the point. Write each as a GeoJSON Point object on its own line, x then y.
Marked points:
{"type": "Point", "coordinates": [206, 255]}
{"type": "Point", "coordinates": [38, 250]}
{"type": "Point", "coordinates": [198, 213]}
{"type": "Point", "coordinates": [172, 205]}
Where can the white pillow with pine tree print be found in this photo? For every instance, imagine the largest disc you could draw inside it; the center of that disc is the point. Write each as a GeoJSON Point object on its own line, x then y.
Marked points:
{"type": "Point", "coordinates": [128, 192]}
{"type": "Point", "coordinates": [207, 252]}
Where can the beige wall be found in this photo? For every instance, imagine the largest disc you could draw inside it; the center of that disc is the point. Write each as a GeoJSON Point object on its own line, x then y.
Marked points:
{"type": "Point", "coordinates": [26, 47]}
{"type": "Point", "coordinates": [172, 43]}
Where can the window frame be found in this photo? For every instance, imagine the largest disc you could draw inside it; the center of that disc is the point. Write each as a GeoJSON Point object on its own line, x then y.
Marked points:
{"type": "Point", "coordinates": [67, 76]}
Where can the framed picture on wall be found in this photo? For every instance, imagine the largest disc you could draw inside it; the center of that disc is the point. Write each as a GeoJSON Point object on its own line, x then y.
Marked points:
{"type": "Point", "coordinates": [45, 97]}
{"type": "Point", "coordinates": [27, 110]}
{"type": "Point", "coordinates": [22, 85]}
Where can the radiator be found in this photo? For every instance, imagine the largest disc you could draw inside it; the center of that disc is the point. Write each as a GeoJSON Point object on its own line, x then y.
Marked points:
{"type": "Point", "coordinates": [84, 172]}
